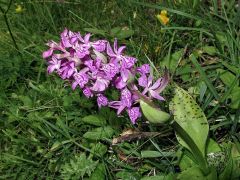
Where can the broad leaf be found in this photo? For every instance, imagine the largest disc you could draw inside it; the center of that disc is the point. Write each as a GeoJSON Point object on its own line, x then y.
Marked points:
{"type": "Point", "coordinates": [191, 119]}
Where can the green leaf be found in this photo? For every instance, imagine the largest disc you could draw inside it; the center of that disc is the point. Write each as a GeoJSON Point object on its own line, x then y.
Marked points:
{"type": "Point", "coordinates": [121, 33]}
{"type": "Point", "coordinates": [127, 175]}
{"type": "Point", "coordinates": [227, 77]}
{"type": "Point", "coordinates": [154, 115]}
{"type": "Point", "coordinates": [211, 50]}
{"type": "Point", "coordinates": [78, 167]}
{"type": "Point", "coordinates": [154, 154]}
{"type": "Point", "coordinates": [194, 173]}
{"type": "Point", "coordinates": [227, 172]}
{"type": "Point", "coordinates": [99, 149]}
{"type": "Point", "coordinates": [94, 120]}
{"type": "Point", "coordinates": [99, 173]}
{"type": "Point", "coordinates": [213, 147]}
{"type": "Point", "coordinates": [187, 161]}
{"type": "Point", "coordinates": [95, 31]}
{"type": "Point", "coordinates": [191, 118]}
{"type": "Point", "coordinates": [160, 177]}
{"type": "Point", "coordinates": [99, 133]}
{"type": "Point", "coordinates": [172, 62]}
{"type": "Point", "coordinates": [27, 101]}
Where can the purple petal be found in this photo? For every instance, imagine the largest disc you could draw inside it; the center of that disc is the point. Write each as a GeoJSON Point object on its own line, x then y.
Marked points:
{"type": "Point", "coordinates": [120, 50]}
{"type": "Point", "coordinates": [119, 83]}
{"type": "Point", "coordinates": [86, 38]}
{"type": "Point", "coordinates": [114, 104]}
{"type": "Point", "coordinates": [164, 82]}
{"type": "Point", "coordinates": [142, 81]}
{"type": "Point", "coordinates": [102, 101]}
{"type": "Point", "coordinates": [134, 113]}
{"type": "Point", "coordinates": [110, 69]}
{"type": "Point", "coordinates": [81, 51]}
{"type": "Point", "coordinates": [110, 51]}
{"type": "Point", "coordinates": [126, 97]}
{"type": "Point", "coordinates": [120, 109]}
{"type": "Point", "coordinates": [150, 79]}
{"type": "Point", "coordinates": [144, 69]}
{"type": "Point", "coordinates": [125, 74]}
{"type": "Point", "coordinates": [47, 53]}
{"type": "Point", "coordinates": [74, 85]}
{"type": "Point", "coordinates": [87, 92]}
{"type": "Point", "coordinates": [156, 95]}
{"type": "Point", "coordinates": [99, 45]}
{"type": "Point", "coordinates": [128, 62]}
{"type": "Point", "coordinates": [81, 79]}
{"type": "Point", "coordinates": [156, 84]}
{"type": "Point", "coordinates": [100, 85]}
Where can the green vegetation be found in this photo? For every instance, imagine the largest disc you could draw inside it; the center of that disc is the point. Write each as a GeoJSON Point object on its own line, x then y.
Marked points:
{"type": "Point", "coordinates": [48, 131]}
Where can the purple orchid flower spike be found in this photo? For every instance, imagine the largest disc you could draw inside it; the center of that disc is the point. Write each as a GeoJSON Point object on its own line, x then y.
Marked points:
{"type": "Point", "coordinates": [96, 66]}
{"type": "Point", "coordinates": [54, 64]}
{"type": "Point", "coordinates": [116, 52]}
{"type": "Point", "coordinates": [134, 113]}
{"type": "Point", "coordinates": [102, 100]}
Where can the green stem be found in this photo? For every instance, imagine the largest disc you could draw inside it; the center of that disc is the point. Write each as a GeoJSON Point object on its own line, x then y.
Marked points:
{"type": "Point", "coordinates": [8, 25]}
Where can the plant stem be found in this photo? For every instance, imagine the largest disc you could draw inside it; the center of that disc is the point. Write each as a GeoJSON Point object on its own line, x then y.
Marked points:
{"type": "Point", "coordinates": [7, 24]}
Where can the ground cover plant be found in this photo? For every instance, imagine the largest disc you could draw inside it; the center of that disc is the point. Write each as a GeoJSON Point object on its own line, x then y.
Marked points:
{"type": "Point", "coordinates": [50, 131]}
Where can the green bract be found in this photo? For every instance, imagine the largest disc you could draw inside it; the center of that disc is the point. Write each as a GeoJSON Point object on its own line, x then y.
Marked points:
{"type": "Point", "coordinates": [154, 115]}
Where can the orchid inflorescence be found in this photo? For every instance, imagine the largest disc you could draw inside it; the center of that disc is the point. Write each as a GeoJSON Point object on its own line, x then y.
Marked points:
{"type": "Point", "coordinates": [94, 66]}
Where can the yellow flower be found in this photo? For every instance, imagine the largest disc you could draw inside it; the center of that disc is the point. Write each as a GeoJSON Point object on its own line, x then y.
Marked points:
{"type": "Point", "coordinates": [19, 9]}
{"type": "Point", "coordinates": [162, 17]}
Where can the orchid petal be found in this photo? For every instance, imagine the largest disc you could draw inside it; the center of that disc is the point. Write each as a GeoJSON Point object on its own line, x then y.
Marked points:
{"type": "Point", "coordinates": [156, 95]}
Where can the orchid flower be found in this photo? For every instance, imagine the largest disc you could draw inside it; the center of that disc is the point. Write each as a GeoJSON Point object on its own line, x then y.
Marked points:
{"type": "Point", "coordinates": [156, 88]}
{"type": "Point", "coordinates": [116, 52]}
